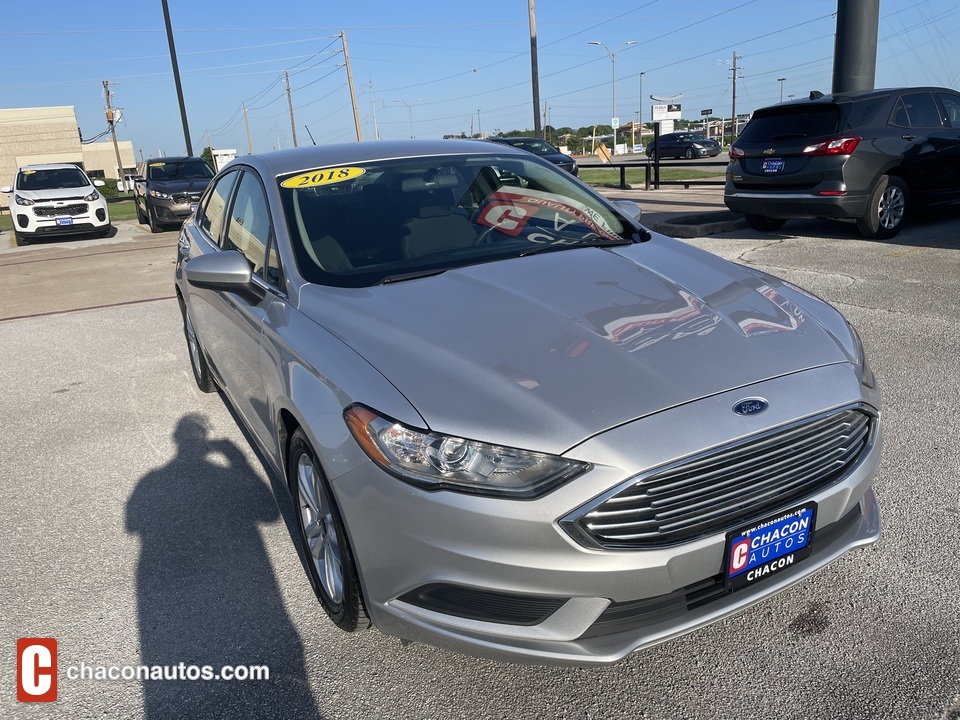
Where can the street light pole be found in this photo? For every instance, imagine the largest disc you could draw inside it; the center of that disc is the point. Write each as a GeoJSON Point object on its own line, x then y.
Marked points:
{"type": "Point", "coordinates": [780, 80]}
{"type": "Point", "coordinates": [613, 58]}
{"type": "Point", "coordinates": [409, 110]}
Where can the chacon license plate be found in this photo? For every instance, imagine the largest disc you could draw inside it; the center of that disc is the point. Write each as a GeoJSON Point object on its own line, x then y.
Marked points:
{"type": "Point", "coordinates": [65, 221]}
{"type": "Point", "coordinates": [768, 547]}
{"type": "Point", "coordinates": [772, 165]}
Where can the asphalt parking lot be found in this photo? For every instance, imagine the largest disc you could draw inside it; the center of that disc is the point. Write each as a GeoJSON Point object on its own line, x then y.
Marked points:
{"type": "Point", "coordinates": [137, 525]}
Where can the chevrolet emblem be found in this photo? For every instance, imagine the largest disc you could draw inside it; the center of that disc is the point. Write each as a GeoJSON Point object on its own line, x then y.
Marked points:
{"type": "Point", "coordinates": [769, 151]}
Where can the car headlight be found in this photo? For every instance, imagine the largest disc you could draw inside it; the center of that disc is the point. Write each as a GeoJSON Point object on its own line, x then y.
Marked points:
{"type": "Point", "coordinates": [157, 193]}
{"type": "Point", "coordinates": [20, 200]}
{"type": "Point", "coordinates": [698, 146]}
{"type": "Point", "coordinates": [92, 196]}
{"type": "Point", "coordinates": [867, 378]}
{"type": "Point", "coordinates": [443, 462]}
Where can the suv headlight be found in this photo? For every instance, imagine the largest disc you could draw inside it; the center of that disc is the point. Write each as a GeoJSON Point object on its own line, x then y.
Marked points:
{"type": "Point", "coordinates": [157, 193]}
{"type": "Point", "coordinates": [92, 196]}
{"type": "Point", "coordinates": [20, 200]}
{"type": "Point", "coordinates": [443, 462]}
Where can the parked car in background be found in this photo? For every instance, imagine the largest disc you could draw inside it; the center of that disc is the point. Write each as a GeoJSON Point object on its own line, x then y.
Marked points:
{"type": "Point", "coordinates": [542, 148]}
{"type": "Point", "coordinates": [872, 157]}
{"type": "Point", "coordinates": [683, 145]}
{"type": "Point", "coordinates": [514, 422]}
{"type": "Point", "coordinates": [166, 189]}
{"type": "Point", "coordinates": [56, 199]}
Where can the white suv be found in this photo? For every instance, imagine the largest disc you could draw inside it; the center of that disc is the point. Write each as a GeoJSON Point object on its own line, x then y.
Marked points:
{"type": "Point", "coordinates": [56, 200]}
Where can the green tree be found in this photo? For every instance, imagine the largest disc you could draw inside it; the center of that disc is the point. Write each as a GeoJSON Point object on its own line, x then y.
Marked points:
{"type": "Point", "coordinates": [207, 155]}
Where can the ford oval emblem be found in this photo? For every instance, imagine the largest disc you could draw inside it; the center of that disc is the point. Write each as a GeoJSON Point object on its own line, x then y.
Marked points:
{"type": "Point", "coordinates": [751, 406]}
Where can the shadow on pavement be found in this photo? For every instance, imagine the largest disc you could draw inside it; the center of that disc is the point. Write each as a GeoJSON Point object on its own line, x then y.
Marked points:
{"type": "Point", "coordinates": [206, 592]}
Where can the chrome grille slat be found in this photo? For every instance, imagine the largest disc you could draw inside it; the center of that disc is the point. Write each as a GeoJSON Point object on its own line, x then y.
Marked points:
{"type": "Point", "coordinates": [730, 485]}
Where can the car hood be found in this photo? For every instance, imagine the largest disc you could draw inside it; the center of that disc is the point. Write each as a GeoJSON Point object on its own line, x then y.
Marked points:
{"type": "Point", "coordinates": [178, 186]}
{"type": "Point", "coordinates": [559, 159]}
{"type": "Point", "coordinates": [77, 193]}
{"type": "Point", "coordinates": [545, 351]}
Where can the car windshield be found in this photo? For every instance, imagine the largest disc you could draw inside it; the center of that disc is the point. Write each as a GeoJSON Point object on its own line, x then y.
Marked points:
{"type": "Point", "coordinates": [362, 224]}
{"type": "Point", "coordinates": [178, 170]}
{"type": "Point", "coordinates": [537, 147]}
{"type": "Point", "coordinates": [51, 179]}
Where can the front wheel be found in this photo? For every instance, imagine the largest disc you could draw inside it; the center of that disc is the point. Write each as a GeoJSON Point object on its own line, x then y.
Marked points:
{"type": "Point", "coordinates": [330, 564]}
{"type": "Point", "coordinates": [141, 218]}
{"type": "Point", "coordinates": [21, 240]}
{"type": "Point", "coordinates": [155, 226]}
{"type": "Point", "coordinates": [886, 209]}
{"type": "Point", "coordinates": [764, 223]}
{"type": "Point", "coordinates": [689, 154]}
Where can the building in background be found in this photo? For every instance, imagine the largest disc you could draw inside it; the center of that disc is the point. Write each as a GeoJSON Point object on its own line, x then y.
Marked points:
{"type": "Point", "coordinates": [50, 135]}
{"type": "Point", "coordinates": [222, 157]}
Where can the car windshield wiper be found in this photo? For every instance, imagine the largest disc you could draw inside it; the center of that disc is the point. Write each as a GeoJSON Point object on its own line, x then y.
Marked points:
{"type": "Point", "coordinates": [599, 243]}
{"type": "Point", "coordinates": [400, 277]}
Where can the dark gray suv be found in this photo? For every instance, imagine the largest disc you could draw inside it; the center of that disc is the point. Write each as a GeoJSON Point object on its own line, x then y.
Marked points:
{"type": "Point", "coordinates": [868, 156]}
{"type": "Point", "coordinates": [166, 189]}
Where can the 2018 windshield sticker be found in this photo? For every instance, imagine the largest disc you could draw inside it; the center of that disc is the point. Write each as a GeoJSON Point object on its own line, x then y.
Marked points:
{"type": "Point", "coordinates": [323, 177]}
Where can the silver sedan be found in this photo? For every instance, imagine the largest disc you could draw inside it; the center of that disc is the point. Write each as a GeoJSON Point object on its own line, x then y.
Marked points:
{"type": "Point", "coordinates": [513, 421]}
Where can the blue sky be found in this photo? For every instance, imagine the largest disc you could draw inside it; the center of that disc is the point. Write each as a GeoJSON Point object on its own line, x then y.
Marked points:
{"type": "Point", "coordinates": [448, 67]}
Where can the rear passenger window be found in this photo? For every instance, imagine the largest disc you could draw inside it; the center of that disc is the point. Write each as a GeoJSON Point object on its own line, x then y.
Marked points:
{"type": "Point", "coordinates": [951, 104]}
{"type": "Point", "coordinates": [211, 215]}
{"type": "Point", "coordinates": [916, 110]}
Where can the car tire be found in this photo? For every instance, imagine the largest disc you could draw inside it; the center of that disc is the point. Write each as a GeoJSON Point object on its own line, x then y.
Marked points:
{"type": "Point", "coordinates": [140, 217]}
{"type": "Point", "coordinates": [652, 155]}
{"type": "Point", "coordinates": [104, 231]}
{"type": "Point", "coordinates": [198, 361]}
{"type": "Point", "coordinates": [886, 209]}
{"type": "Point", "coordinates": [330, 565]}
{"type": "Point", "coordinates": [21, 240]}
{"type": "Point", "coordinates": [155, 226]}
{"type": "Point", "coordinates": [764, 223]}
{"type": "Point", "coordinates": [689, 154]}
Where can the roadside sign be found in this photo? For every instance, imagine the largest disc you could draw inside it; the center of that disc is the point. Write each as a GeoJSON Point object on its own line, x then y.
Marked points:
{"type": "Point", "coordinates": [615, 123]}
{"type": "Point", "coordinates": [705, 113]}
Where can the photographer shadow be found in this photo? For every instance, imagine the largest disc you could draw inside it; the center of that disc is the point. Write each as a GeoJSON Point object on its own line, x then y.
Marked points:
{"type": "Point", "coordinates": [206, 591]}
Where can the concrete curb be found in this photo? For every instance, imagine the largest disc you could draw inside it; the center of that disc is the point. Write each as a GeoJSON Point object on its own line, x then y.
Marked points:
{"type": "Point", "coordinates": [693, 226]}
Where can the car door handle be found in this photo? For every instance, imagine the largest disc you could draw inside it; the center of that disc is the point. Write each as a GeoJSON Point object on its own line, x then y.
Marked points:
{"type": "Point", "coordinates": [909, 137]}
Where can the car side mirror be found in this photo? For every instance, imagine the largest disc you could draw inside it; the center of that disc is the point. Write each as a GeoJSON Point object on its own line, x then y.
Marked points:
{"type": "Point", "coordinates": [98, 183]}
{"type": "Point", "coordinates": [6, 189]}
{"type": "Point", "coordinates": [226, 271]}
{"type": "Point", "coordinates": [629, 208]}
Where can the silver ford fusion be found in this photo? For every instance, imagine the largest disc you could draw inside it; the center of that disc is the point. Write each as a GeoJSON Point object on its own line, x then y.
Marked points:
{"type": "Point", "coordinates": [514, 422]}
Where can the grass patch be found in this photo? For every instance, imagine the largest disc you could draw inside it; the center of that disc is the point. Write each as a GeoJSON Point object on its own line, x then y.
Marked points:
{"type": "Point", "coordinates": [122, 210]}
{"type": "Point", "coordinates": [610, 177]}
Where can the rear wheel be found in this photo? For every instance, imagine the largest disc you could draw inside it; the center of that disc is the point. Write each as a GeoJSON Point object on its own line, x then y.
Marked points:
{"type": "Point", "coordinates": [886, 209]}
{"type": "Point", "coordinates": [764, 223]}
{"type": "Point", "coordinates": [198, 362]}
{"type": "Point", "coordinates": [330, 564]}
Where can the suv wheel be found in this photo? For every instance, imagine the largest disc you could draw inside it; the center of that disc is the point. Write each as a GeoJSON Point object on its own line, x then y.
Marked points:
{"type": "Point", "coordinates": [765, 224]}
{"type": "Point", "coordinates": [140, 218]}
{"type": "Point", "coordinates": [886, 209]}
{"type": "Point", "coordinates": [21, 240]}
{"type": "Point", "coordinates": [155, 226]}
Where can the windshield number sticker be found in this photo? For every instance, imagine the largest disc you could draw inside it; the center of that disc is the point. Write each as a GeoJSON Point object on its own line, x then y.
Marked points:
{"type": "Point", "coordinates": [323, 177]}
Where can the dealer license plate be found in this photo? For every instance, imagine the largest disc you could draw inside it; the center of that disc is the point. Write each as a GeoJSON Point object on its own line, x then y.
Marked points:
{"type": "Point", "coordinates": [770, 546]}
{"type": "Point", "coordinates": [65, 221]}
{"type": "Point", "coordinates": [772, 165]}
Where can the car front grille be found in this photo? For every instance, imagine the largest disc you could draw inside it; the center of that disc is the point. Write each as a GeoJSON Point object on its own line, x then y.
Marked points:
{"type": "Point", "coordinates": [183, 198]}
{"type": "Point", "coordinates": [722, 488]}
{"type": "Point", "coordinates": [48, 211]}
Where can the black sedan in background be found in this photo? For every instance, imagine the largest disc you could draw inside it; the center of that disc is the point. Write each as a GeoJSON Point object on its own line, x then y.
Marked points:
{"type": "Point", "coordinates": [542, 148]}
{"type": "Point", "coordinates": [683, 145]}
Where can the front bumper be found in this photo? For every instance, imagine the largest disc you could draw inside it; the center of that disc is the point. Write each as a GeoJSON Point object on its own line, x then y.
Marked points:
{"type": "Point", "coordinates": [169, 211]}
{"type": "Point", "coordinates": [92, 217]}
{"type": "Point", "coordinates": [529, 592]}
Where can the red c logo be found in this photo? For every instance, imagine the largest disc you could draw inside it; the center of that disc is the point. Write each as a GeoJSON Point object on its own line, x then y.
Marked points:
{"type": "Point", "coordinates": [36, 670]}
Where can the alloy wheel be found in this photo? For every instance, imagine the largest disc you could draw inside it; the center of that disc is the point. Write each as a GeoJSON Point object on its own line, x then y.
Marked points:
{"type": "Point", "coordinates": [316, 517]}
{"type": "Point", "coordinates": [892, 206]}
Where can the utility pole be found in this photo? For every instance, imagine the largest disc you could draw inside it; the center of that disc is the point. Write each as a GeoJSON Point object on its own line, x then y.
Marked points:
{"type": "Point", "coordinates": [479, 131]}
{"type": "Point", "coordinates": [534, 70]}
{"type": "Point", "coordinates": [353, 94]}
{"type": "Point", "coordinates": [247, 123]}
{"type": "Point", "coordinates": [373, 104]}
{"type": "Point", "coordinates": [113, 132]}
{"type": "Point", "coordinates": [293, 125]}
{"type": "Point", "coordinates": [733, 110]}
{"type": "Point", "coordinates": [176, 77]}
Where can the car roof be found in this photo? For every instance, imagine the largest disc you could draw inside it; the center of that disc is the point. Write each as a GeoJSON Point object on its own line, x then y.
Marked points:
{"type": "Point", "coordinates": [50, 166]}
{"type": "Point", "coordinates": [281, 162]}
{"type": "Point", "coordinates": [817, 98]}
